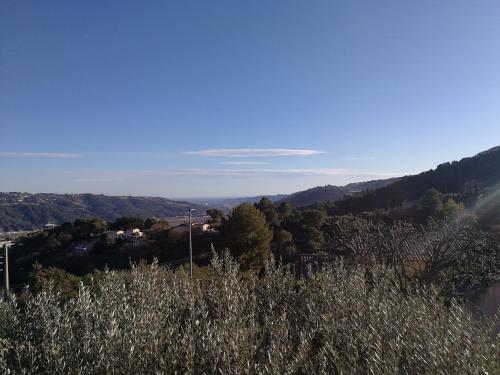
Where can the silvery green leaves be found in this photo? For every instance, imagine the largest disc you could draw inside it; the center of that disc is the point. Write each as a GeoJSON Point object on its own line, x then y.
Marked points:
{"type": "Point", "coordinates": [155, 321]}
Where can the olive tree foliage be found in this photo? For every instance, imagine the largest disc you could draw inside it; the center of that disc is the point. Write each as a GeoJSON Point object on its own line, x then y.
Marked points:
{"type": "Point", "coordinates": [152, 320]}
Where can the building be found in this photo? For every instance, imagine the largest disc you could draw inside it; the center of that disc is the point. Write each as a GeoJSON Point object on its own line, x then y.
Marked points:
{"type": "Point", "coordinates": [134, 237]}
{"type": "Point", "coordinates": [196, 227]}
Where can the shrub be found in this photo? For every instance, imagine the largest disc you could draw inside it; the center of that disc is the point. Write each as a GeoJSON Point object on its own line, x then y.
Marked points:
{"type": "Point", "coordinates": [153, 320]}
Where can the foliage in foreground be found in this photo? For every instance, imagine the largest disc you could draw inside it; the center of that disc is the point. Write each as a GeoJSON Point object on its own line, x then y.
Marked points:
{"type": "Point", "coordinates": [342, 320]}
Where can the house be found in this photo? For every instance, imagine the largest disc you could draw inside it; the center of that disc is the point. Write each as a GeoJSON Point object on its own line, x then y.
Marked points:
{"type": "Point", "coordinates": [135, 232]}
{"type": "Point", "coordinates": [201, 227]}
{"type": "Point", "coordinates": [196, 227]}
{"type": "Point", "coordinates": [133, 236]}
{"type": "Point", "coordinates": [129, 233]}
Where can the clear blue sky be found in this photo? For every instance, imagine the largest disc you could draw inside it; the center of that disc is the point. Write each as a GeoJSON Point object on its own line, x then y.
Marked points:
{"type": "Point", "coordinates": [140, 97]}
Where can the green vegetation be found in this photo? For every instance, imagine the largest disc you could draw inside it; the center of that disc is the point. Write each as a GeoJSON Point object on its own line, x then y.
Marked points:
{"type": "Point", "coordinates": [216, 217]}
{"type": "Point", "coordinates": [23, 211]}
{"type": "Point", "coordinates": [467, 180]}
{"type": "Point", "coordinates": [320, 194]}
{"type": "Point", "coordinates": [439, 243]}
{"type": "Point", "coordinates": [151, 320]}
{"type": "Point", "coordinates": [357, 290]}
{"type": "Point", "coordinates": [248, 235]}
{"type": "Point", "coordinates": [55, 248]}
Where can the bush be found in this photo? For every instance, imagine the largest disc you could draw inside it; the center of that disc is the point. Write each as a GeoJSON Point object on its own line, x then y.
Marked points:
{"type": "Point", "coordinates": [152, 320]}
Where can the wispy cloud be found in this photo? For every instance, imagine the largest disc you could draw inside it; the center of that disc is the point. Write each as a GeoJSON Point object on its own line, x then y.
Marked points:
{"type": "Point", "coordinates": [253, 152]}
{"type": "Point", "coordinates": [244, 163]}
{"type": "Point", "coordinates": [35, 155]}
{"type": "Point", "coordinates": [358, 158]}
{"type": "Point", "coordinates": [244, 173]}
{"type": "Point", "coordinates": [99, 179]}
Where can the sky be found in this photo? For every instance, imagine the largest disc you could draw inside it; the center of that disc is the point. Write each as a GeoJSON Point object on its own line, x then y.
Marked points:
{"type": "Point", "coordinates": [186, 99]}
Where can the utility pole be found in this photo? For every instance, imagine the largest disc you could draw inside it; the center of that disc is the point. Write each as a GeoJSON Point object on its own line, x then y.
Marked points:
{"type": "Point", "coordinates": [190, 246]}
{"type": "Point", "coordinates": [5, 269]}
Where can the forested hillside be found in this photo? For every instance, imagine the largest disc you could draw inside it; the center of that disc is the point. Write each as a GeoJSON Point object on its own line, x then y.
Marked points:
{"type": "Point", "coordinates": [327, 193]}
{"type": "Point", "coordinates": [23, 211]}
{"type": "Point", "coordinates": [466, 179]}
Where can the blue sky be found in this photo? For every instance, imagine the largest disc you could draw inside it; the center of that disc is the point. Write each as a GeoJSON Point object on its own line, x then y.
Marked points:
{"type": "Point", "coordinates": [232, 98]}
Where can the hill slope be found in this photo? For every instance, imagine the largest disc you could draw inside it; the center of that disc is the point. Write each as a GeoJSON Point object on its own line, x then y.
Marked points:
{"type": "Point", "coordinates": [469, 174]}
{"type": "Point", "coordinates": [332, 193]}
{"type": "Point", "coordinates": [23, 211]}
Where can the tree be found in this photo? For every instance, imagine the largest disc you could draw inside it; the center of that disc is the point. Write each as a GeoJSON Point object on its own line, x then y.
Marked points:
{"type": "Point", "coordinates": [158, 231]}
{"type": "Point", "coordinates": [432, 203]}
{"type": "Point", "coordinates": [149, 223]}
{"type": "Point", "coordinates": [60, 280]}
{"type": "Point", "coordinates": [306, 227]}
{"type": "Point", "coordinates": [216, 217]}
{"type": "Point", "coordinates": [452, 210]}
{"type": "Point", "coordinates": [488, 210]}
{"type": "Point", "coordinates": [248, 236]}
{"type": "Point", "coordinates": [460, 254]}
{"type": "Point", "coordinates": [124, 223]}
{"type": "Point", "coordinates": [266, 206]}
{"type": "Point", "coordinates": [284, 210]}
{"type": "Point", "coordinates": [84, 228]}
{"type": "Point", "coordinates": [313, 218]}
{"type": "Point", "coordinates": [283, 245]}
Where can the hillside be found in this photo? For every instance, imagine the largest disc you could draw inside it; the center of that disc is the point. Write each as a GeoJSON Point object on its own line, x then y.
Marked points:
{"type": "Point", "coordinates": [332, 193]}
{"type": "Point", "coordinates": [23, 211]}
{"type": "Point", "coordinates": [229, 203]}
{"type": "Point", "coordinates": [468, 176]}
{"type": "Point", "coordinates": [300, 198]}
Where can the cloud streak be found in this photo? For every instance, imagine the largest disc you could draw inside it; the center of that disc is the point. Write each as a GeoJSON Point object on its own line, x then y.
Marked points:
{"type": "Point", "coordinates": [253, 152]}
{"type": "Point", "coordinates": [99, 179]}
{"type": "Point", "coordinates": [351, 158]}
{"type": "Point", "coordinates": [244, 163]}
{"type": "Point", "coordinates": [37, 155]}
{"type": "Point", "coordinates": [250, 173]}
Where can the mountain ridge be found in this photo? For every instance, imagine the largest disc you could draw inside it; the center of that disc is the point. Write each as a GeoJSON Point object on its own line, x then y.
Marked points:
{"type": "Point", "coordinates": [320, 194]}
{"type": "Point", "coordinates": [26, 211]}
{"type": "Point", "coordinates": [465, 176]}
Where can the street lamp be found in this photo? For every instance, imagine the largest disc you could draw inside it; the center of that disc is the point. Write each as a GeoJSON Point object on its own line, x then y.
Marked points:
{"type": "Point", "coordinates": [6, 269]}
{"type": "Point", "coordinates": [190, 245]}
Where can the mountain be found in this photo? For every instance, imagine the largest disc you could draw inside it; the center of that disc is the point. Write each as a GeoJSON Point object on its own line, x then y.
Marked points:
{"type": "Point", "coordinates": [226, 204]}
{"type": "Point", "coordinates": [469, 176]}
{"type": "Point", "coordinates": [23, 211]}
{"type": "Point", "coordinates": [332, 193]}
{"type": "Point", "coordinates": [232, 202]}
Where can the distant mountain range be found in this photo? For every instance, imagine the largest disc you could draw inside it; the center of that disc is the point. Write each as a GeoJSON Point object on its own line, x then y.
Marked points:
{"type": "Point", "coordinates": [227, 204]}
{"type": "Point", "coordinates": [301, 198]}
{"type": "Point", "coordinates": [480, 171]}
{"type": "Point", "coordinates": [23, 211]}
